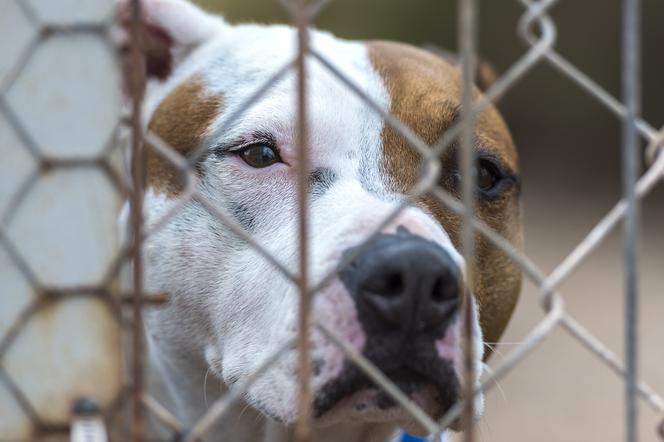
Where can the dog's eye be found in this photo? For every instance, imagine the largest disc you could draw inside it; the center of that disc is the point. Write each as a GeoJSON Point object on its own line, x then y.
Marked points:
{"type": "Point", "coordinates": [488, 175]}
{"type": "Point", "coordinates": [491, 179]}
{"type": "Point", "coordinates": [259, 156]}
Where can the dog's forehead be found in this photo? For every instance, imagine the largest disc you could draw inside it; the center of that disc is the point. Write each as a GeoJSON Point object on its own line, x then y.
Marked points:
{"type": "Point", "coordinates": [425, 93]}
{"type": "Point", "coordinates": [211, 98]}
{"type": "Point", "coordinates": [338, 119]}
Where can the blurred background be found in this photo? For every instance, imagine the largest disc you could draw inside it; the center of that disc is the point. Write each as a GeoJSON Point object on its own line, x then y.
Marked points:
{"type": "Point", "coordinates": [570, 152]}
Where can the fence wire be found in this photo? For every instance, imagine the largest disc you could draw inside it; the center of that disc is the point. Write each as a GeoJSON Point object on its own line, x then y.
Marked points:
{"type": "Point", "coordinates": [538, 31]}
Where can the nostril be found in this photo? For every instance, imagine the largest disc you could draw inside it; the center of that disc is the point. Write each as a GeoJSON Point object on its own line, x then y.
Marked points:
{"type": "Point", "coordinates": [445, 288]}
{"type": "Point", "coordinates": [388, 285]}
{"type": "Point", "coordinates": [395, 284]}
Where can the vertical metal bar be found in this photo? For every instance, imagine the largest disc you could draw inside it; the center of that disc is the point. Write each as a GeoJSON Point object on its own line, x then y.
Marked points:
{"type": "Point", "coordinates": [137, 82]}
{"type": "Point", "coordinates": [631, 90]}
{"type": "Point", "coordinates": [303, 427]}
{"type": "Point", "coordinates": [467, 34]}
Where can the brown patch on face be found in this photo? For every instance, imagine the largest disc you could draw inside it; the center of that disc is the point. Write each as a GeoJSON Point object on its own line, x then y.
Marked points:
{"type": "Point", "coordinates": [425, 93]}
{"type": "Point", "coordinates": [181, 120]}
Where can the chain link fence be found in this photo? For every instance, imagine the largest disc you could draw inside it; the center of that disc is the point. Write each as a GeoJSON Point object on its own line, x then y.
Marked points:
{"type": "Point", "coordinates": [63, 309]}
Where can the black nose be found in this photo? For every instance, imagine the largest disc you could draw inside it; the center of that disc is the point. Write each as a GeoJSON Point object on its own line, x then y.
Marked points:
{"type": "Point", "coordinates": [403, 280]}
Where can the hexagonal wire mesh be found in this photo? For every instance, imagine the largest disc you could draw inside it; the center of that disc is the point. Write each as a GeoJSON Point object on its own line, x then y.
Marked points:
{"type": "Point", "coordinates": [59, 112]}
{"type": "Point", "coordinates": [40, 151]}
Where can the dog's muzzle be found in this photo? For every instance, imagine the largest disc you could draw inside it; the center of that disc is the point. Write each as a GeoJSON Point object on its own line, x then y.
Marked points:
{"type": "Point", "coordinates": [403, 282]}
{"type": "Point", "coordinates": [407, 292]}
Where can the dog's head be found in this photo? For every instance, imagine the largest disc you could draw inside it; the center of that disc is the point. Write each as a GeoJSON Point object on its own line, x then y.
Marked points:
{"type": "Point", "coordinates": [397, 301]}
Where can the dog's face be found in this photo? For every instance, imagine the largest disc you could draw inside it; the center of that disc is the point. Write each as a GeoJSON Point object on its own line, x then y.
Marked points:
{"type": "Point", "coordinates": [397, 301]}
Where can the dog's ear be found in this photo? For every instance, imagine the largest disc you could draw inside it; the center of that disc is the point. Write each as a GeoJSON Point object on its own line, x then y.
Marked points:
{"type": "Point", "coordinates": [486, 74]}
{"type": "Point", "coordinates": [171, 30]}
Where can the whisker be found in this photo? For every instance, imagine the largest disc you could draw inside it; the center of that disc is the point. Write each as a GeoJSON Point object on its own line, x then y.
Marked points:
{"type": "Point", "coordinates": [490, 371]}
{"type": "Point", "coordinates": [504, 343]}
{"type": "Point", "coordinates": [246, 407]}
{"type": "Point", "coordinates": [205, 400]}
{"type": "Point", "coordinates": [494, 348]}
{"type": "Point", "coordinates": [258, 418]}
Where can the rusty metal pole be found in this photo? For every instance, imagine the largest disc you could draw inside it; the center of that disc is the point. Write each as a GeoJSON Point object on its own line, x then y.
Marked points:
{"type": "Point", "coordinates": [137, 88]}
{"type": "Point", "coordinates": [303, 427]}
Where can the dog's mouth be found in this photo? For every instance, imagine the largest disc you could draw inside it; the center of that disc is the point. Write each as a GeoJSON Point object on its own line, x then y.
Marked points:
{"type": "Point", "coordinates": [433, 386]}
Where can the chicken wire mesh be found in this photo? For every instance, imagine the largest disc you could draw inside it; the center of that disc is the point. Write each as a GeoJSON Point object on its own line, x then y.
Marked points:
{"type": "Point", "coordinates": [61, 270]}
{"type": "Point", "coordinates": [58, 204]}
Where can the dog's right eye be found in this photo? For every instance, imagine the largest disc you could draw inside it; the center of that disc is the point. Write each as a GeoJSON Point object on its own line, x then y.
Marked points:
{"type": "Point", "coordinates": [259, 156]}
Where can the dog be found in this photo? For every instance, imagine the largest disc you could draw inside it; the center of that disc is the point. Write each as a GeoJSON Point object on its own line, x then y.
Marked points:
{"type": "Point", "coordinates": [397, 301]}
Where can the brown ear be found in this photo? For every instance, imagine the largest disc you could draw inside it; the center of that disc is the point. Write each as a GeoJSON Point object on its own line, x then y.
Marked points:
{"type": "Point", "coordinates": [171, 29]}
{"type": "Point", "coordinates": [486, 74]}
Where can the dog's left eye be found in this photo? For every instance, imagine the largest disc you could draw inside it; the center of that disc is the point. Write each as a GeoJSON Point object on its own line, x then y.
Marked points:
{"type": "Point", "coordinates": [259, 156]}
{"type": "Point", "coordinates": [491, 179]}
{"type": "Point", "coordinates": [488, 175]}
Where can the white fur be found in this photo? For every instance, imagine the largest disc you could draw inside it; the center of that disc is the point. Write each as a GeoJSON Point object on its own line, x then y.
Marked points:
{"type": "Point", "coordinates": [230, 308]}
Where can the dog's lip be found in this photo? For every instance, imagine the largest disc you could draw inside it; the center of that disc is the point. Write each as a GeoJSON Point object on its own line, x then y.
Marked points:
{"type": "Point", "coordinates": [363, 406]}
{"type": "Point", "coordinates": [362, 396]}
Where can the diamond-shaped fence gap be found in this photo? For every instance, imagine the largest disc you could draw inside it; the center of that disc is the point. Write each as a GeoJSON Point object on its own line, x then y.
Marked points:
{"type": "Point", "coordinates": [595, 346]}
{"type": "Point", "coordinates": [580, 78]}
{"type": "Point", "coordinates": [600, 231]}
{"type": "Point", "coordinates": [515, 72]}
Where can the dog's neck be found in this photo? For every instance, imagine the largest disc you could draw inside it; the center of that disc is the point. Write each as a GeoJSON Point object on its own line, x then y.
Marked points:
{"type": "Point", "coordinates": [179, 382]}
